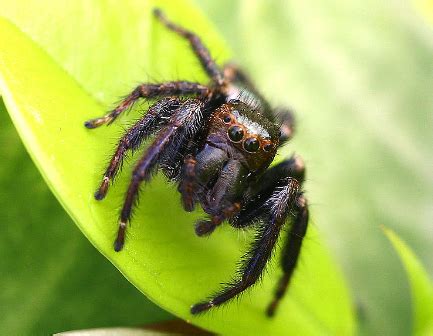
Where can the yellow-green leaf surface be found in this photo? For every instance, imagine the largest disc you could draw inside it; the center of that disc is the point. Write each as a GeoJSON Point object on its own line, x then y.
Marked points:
{"type": "Point", "coordinates": [72, 62]}
{"type": "Point", "coordinates": [421, 286]}
{"type": "Point", "coordinates": [48, 268]}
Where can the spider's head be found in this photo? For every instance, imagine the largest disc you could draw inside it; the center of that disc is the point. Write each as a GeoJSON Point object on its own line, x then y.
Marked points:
{"type": "Point", "coordinates": [245, 133]}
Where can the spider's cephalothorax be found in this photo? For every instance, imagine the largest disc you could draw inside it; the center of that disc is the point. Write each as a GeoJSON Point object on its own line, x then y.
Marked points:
{"type": "Point", "coordinates": [217, 142]}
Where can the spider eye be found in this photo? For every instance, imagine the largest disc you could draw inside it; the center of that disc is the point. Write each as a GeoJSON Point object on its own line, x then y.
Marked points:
{"type": "Point", "coordinates": [227, 118]}
{"type": "Point", "coordinates": [236, 133]}
{"type": "Point", "coordinates": [251, 144]}
{"type": "Point", "coordinates": [267, 147]}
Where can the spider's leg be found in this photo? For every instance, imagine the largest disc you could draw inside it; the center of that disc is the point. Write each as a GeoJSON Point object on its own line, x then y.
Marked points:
{"type": "Point", "coordinates": [198, 47]}
{"type": "Point", "coordinates": [157, 115]}
{"type": "Point", "coordinates": [185, 122]}
{"type": "Point", "coordinates": [278, 206]}
{"type": "Point", "coordinates": [286, 119]}
{"type": "Point", "coordinates": [274, 177]}
{"type": "Point", "coordinates": [253, 205]}
{"type": "Point", "coordinates": [177, 88]}
{"type": "Point", "coordinates": [290, 254]}
{"type": "Point", "coordinates": [188, 185]}
{"type": "Point", "coordinates": [233, 74]}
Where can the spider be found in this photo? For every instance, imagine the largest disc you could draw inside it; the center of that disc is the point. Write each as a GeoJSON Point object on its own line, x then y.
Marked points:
{"type": "Point", "coordinates": [216, 143]}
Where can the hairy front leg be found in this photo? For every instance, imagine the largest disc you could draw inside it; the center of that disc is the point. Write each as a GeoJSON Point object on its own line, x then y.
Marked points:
{"type": "Point", "coordinates": [275, 177]}
{"type": "Point", "coordinates": [278, 205]}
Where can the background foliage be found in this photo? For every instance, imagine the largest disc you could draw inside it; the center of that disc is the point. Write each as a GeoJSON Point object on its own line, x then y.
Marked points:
{"type": "Point", "coordinates": [359, 76]}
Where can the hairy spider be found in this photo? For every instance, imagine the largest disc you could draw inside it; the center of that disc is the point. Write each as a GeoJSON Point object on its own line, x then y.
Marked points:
{"type": "Point", "coordinates": [216, 142]}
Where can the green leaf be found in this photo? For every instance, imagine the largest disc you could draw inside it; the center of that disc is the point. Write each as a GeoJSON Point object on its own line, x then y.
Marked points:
{"type": "Point", "coordinates": [48, 267]}
{"type": "Point", "coordinates": [359, 76]}
{"type": "Point", "coordinates": [70, 63]}
{"type": "Point", "coordinates": [421, 286]}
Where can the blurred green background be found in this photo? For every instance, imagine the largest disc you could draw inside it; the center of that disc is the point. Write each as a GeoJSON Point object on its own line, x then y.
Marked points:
{"type": "Point", "coordinates": [359, 75]}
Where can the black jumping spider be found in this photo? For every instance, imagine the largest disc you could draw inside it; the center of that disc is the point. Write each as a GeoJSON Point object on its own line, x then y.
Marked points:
{"type": "Point", "coordinates": [217, 145]}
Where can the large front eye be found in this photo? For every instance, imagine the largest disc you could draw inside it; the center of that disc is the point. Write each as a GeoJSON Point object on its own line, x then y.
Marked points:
{"type": "Point", "coordinates": [251, 144]}
{"type": "Point", "coordinates": [236, 133]}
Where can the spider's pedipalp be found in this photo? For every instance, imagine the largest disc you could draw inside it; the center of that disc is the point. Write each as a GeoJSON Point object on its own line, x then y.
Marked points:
{"type": "Point", "coordinates": [206, 227]}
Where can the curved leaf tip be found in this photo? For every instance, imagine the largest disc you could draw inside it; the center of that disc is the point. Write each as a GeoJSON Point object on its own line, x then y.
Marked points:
{"type": "Point", "coordinates": [420, 284]}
